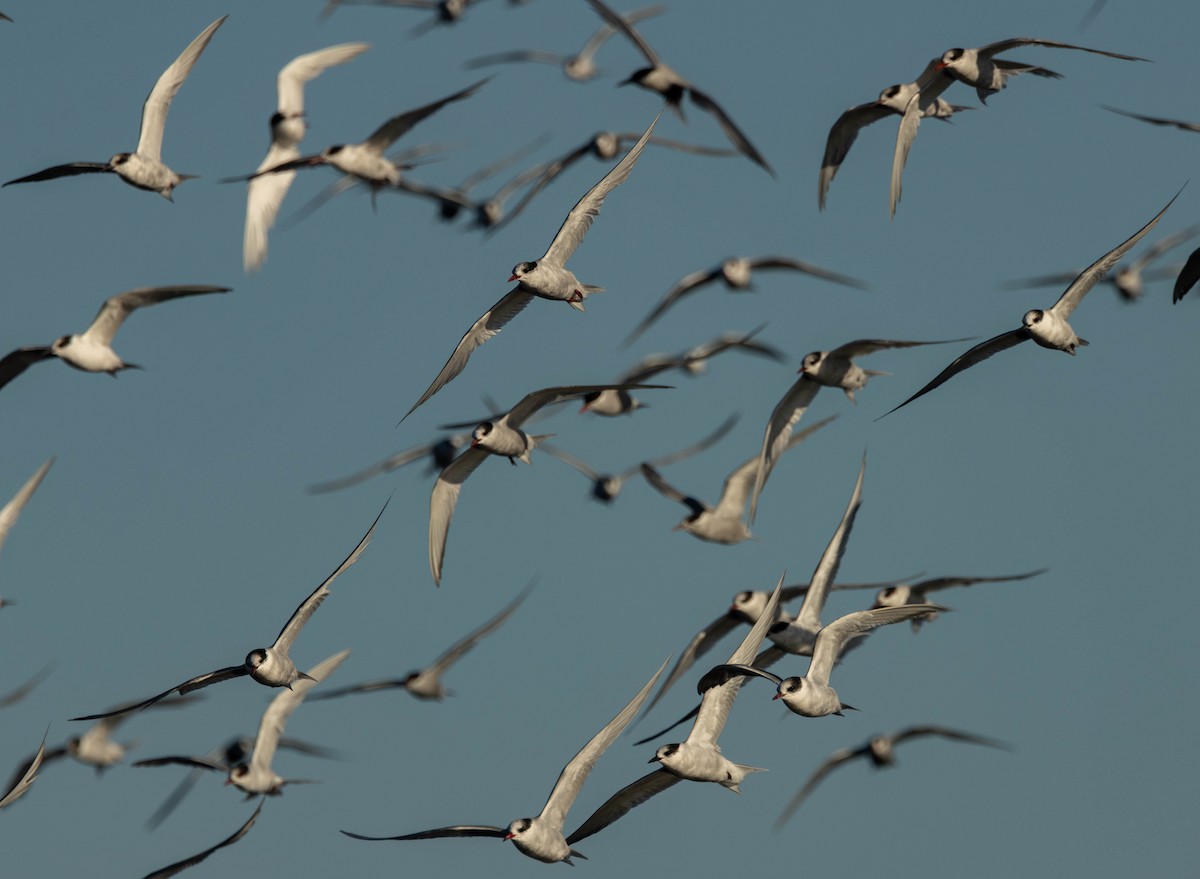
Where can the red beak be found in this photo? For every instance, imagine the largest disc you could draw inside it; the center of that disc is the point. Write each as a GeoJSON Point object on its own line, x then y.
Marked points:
{"type": "Point", "coordinates": [777, 696]}
{"type": "Point", "coordinates": [512, 278]}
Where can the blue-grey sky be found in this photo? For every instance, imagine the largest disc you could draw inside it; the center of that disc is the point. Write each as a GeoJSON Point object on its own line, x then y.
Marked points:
{"type": "Point", "coordinates": [175, 533]}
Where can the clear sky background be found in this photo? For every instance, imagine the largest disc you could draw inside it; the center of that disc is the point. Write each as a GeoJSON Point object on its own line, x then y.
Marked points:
{"type": "Point", "coordinates": [175, 532]}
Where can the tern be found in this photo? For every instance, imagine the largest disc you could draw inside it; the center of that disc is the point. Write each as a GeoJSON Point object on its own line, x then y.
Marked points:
{"type": "Point", "coordinates": [15, 792]}
{"type": "Point", "coordinates": [501, 436]}
{"type": "Point", "coordinates": [270, 666]}
{"type": "Point", "coordinates": [900, 594]}
{"type": "Point", "coordinates": [546, 278]}
{"type": "Point", "coordinates": [722, 523]}
{"type": "Point", "coordinates": [698, 757]}
{"type": "Point", "coordinates": [1047, 327]}
{"type": "Point", "coordinates": [811, 695]}
{"type": "Point", "coordinates": [180, 866]}
{"type": "Point", "coordinates": [257, 776]}
{"type": "Point", "coordinates": [440, 453]}
{"type": "Point", "coordinates": [91, 350]}
{"type": "Point", "coordinates": [606, 486]}
{"type": "Point", "coordinates": [144, 167]}
{"type": "Point", "coordinates": [265, 194]}
{"type": "Point", "coordinates": [880, 751]}
{"type": "Point", "coordinates": [578, 68]}
{"type": "Point", "coordinates": [542, 838]}
{"type": "Point", "coordinates": [660, 78]}
{"type": "Point", "coordinates": [737, 274]}
{"type": "Point", "coordinates": [11, 511]}
{"type": "Point", "coordinates": [831, 369]}
{"type": "Point", "coordinates": [426, 683]}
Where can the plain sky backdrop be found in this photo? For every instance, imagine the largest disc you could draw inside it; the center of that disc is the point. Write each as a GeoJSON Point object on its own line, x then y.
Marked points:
{"type": "Point", "coordinates": [175, 532]}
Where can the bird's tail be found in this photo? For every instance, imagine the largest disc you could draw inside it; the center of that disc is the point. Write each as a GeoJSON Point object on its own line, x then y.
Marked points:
{"type": "Point", "coordinates": [533, 442]}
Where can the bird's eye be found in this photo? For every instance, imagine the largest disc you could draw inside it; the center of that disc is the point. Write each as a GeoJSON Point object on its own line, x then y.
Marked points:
{"type": "Point", "coordinates": [891, 92]}
{"type": "Point", "coordinates": [743, 597]}
{"type": "Point", "coordinates": [484, 429]}
{"type": "Point", "coordinates": [255, 658]}
{"type": "Point", "coordinates": [668, 750]}
{"type": "Point", "coordinates": [953, 55]}
{"type": "Point", "coordinates": [334, 150]}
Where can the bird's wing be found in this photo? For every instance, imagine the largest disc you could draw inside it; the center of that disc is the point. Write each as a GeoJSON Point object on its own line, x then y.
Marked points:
{"type": "Point", "coordinates": [16, 791]}
{"type": "Point", "coordinates": [274, 719]}
{"type": "Point", "coordinates": [456, 651]}
{"type": "Point", "coordinates": [669, 491]}
{"type": "Point", "coordinates": [832, 762]}
{"type": "Point", "coordinates": [787, 262]}
{"type": "Point", "coordinates": [863, 347]}
{"type": "Point", "coordinates": [196, 683]}
{"type": "Point", "coordinates": [718, 700]}
{"type": "Point", "coordinates": [570, 460]}
{"type": "Point", "coordinates": [385, 135]}
{"type": "Point", "coordinates": [1188, 276]}
{"type": "Point", "coordinates": [68, 170]}
{"type": "Point", "coordinates": [841, 137]}
{"type": "Point", "coordinates": [628, 797]}
{"type": "Point", "coordinates": [301, 69]}
{"type": "Point", "coordinates": [1153, 120]}
{"type": "Point", "coordinates": [491, 322]}
{"type": "Point", "coordinates": [794, 440]}
{"type": "Point", "coordinates": [602, 34]}
{"type": "Point", "coordinates": [999, 46]}
{"type": "Point", "coordinates": [442, 502]}
{"type": "Point", "coordinates": [180, 866]}
{"type": "Point", "coordinates": [744, 341]}
{"type": "Point", "coordinates": [387, 465]}
{"type": "Point", "coordinates": [441, 832]}
{"type": "Point", "coordinates": [158, 102]}
{"type": "Point", "coordinates": [575, 773]}
{"type": "Point", "coordinates": [695, 448]}
{"type": "Point", "coordinates": [719, 674]}
{"type": "Point", "coordinates": [948, 582]}
{"type": "Point", "coordinates": [736, 136]}
{"type": "Point", "coordinates": [929, 87]}
{"type": "Point", "coordinates": [784, 417]}
{"type": "Point", "coordinates": [701, 643]}
{"type": "Point", "coordinates": [117, 308]}
{"type": "Point", "coordinates": [809, 616]}
{"type": "Point", "coordinates": [535, 400]}
{"type": "Point", "coordinates": [1154, 251]}
{"type": "Point", "coordinates": [11, 511]}
{"type": "Point", "coordinates": [579, 220]}
{"type": "Point", "coordinates": [292, 627]}
{"type": "Point", "coordinates": [264, 195]}
{"type": "Point", "coordinates": [208, 763]}
{"type": "Point", "coordinates": [1079, 288]}
{"type": "Point", "coordinates": [16, 362]}
{"type": "Point", "coordinates": [14, 696]}
{"type": "Point", "coordinates": [979, 353]}
{"type": "Point", "coordinates": [516, 55]}
{"type": "Point", "coordinates": [623, 25]}
{"type": "Point", "coordinates": [944, 732]}
{"type": "Point", "coordinates": [682, 287]}
{"type": "Point", "coordinates": [834, 637]}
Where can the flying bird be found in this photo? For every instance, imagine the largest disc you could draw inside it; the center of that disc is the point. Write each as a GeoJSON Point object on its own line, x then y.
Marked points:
{"type": "Point", "coordinates": [91, 350]}
{"type": "Point", "coordinates": [439, 453]}
{"type": "Point", "coordinates": [698, 757]}
{"type": "Point", "coordinates": [900, 594]}
{"type": "Point", "coordinates": [265, 194]}
{"type": "Point", "coordinates": [257, 776]}
{"type": "Point", "coordinates": [144, 167]}
{"type": "Point", "coordinates": [736, 273]}
{"type": "Point", "coordinates": [1047, 327]}
{"type": "Point", "coordinates": [578, 68]}
{"type": "Point", "coordinates": [426, 683]}
{"type": "Point", "coordinates": [660, 78]}
{"type": "Point", "coordinates": [546, 278]}
{"type": "Point", "coordinates": [722, 523]}
{"type": "Point", "coordinates": [880, 751]}
{"type": "Point", "coordinates": [542, 838]}
{"type": "Point", "coordinates": [180, 866]}
{"type": "Point", "coordinates": [501, 436]}
{"type": "Point", "coordinates": [270, 666]}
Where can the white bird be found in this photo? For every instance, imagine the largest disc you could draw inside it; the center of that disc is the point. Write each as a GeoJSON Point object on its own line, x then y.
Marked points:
{"type": "Point", "coordinates": [500, 436]}
{"type": "Point", "coordinates": [698, 757]}
{"type": "Point", "coordinates": [542, 838]}
{"type": "Point", "coordinates": [440, 453]}
{"type": "Point", "coordinates": [91, 350]}
{"type": "Point", "coordinates": [265, 194]}
{"type": "Point", "coordinates": [366, 160]}
{"type": "Point", "coordinates": [426, 683]}
{"type": "Point", "coordinates": [11, 511]}
{"type": "Point", "coordinates": [664, 80]}
{"type": "Point", "coordinates": [893, 100]}
{"type": "Point", "coordinates": [144, 167]}
{"type": "Point", "coordinates": [1129, 280]}
{"type": "Point", "coordinates": [899, 594]}
{"type": "Point", "coordinates": [180, 866]}
{"type": "Point", "coordinates": [578, 68]}
{"type": "Point", "coordinates": [811, 695]}
{"type": "Point", "coordinates": [270, 666]}
{"type": "Point", "coordinates": [736, 273]}
{"type": "Point", "coordinates": [257, 776]}
{"type": "Point", "coordinates": [880, 751]}
{"type": "Point", "coordinates": [546, 278]}
{"type": "Point", "coordinates": [18, 790]}
{"type": "Point", "coordinates": [1047, 327]}
{"type": "Point", "coordinates": [830, 369]}
{"type": "Point", "coordinates": [722, 523]}
{"type": "Point", "coordinates": [606, 486]}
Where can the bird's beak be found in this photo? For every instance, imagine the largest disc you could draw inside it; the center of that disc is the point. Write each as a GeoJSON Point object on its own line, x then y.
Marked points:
{"type": "Point", "coordinates": [777, 696]}
{"type": "Point", "coordinates": [654, 759]}
{"type": "Point", "coordinates": [584, 408]}
{"type": "Point", "coordinates": [508, 836]}
{"type": "Point", "coordinates": [678, 527]}
{"type": "Point", "coordinates": [512, 278]}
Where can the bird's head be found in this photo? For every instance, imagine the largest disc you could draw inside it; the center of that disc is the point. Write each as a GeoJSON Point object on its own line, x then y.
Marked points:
{"type": "Point", "coordinates": [789, 687]}
{"type": "Point", "coordinates": [119, 159]}
{"type": "Point", "coordinates": [255, 658]}
{"type": "Point", "coordinates": [811, 363]}
{"type": "Point", "coordinates": [480, 434]}
{"type": "Point", "coordinates": [950, 57]}
{"type": "Point", "coordinates": [521, 269]}
{"type": "Point", "coordinates": [60, 344]}
{"type": "Point", "coordinates": [892, 596]}
{"type": "Point", "coordinates": [666, 752]}
{"type": "Point", "coordinates": [1032, 318]}
{"type": "Point", "coordinates": [518, 828]}
{"type": "Point", "coordinates": [605, 145]}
